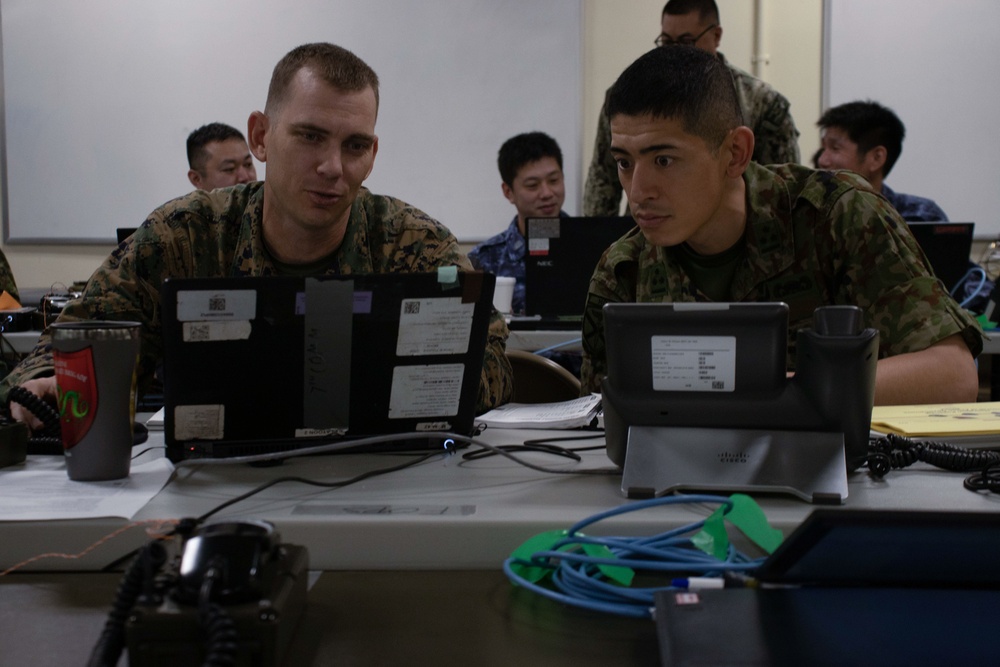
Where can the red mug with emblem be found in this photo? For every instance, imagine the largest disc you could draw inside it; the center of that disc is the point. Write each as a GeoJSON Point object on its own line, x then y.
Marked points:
{"type": "Point", "coordinates": [95, 369]}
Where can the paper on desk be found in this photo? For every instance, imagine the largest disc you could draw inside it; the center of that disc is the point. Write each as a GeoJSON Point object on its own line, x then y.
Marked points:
{"type": "Point", "coordinates": [945, 419]}
{"type": "Point", "coordinates": [563, 414]}
{"type": "Point", "coordinates": [40, 490]}
{"type": "Point", "coordinates": [969, 425]}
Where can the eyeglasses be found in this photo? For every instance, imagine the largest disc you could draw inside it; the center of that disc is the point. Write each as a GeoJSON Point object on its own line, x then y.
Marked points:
{"type": "Point", "coordinates": [685, 40]}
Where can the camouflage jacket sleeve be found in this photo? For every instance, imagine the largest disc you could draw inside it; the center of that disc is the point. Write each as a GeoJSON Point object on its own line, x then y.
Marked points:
{"type": "Point", "coordinates": [602, 193]}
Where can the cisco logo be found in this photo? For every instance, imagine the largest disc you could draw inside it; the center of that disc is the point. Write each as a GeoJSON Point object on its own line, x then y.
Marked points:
{"type": "Point", "coordinates": [729, 457]}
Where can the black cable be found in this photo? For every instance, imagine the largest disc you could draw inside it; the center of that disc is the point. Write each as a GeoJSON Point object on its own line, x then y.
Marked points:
{"type": "Point", "coordinates": [536, 447]}
{"type": "Point", "coordinates": [45, 412]}
{"type": "Point", "coordinates": [987, 479]}
{"type": "Point", "coordinates": [221, 638]}
{"type": "Point", "coordinates": [312, 482]}
{"type": "Point", "coordinates": [894, 452]}
{"type": "Point", "coordinates": [138, 577]}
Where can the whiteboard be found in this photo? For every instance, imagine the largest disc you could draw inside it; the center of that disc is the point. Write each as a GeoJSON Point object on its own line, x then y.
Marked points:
{"type": "Point", "coordinates": [932, 63]}
{"type": "Point", "coordinates": [99, 97]}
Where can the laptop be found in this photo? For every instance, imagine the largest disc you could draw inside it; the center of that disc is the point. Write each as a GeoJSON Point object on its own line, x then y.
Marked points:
{"type": "Point", "coordinates": [851, 587]}
{"type": "Point", "coordinates": [263, 365]}
{"type": "Point", "coordinates": [562, 255]}
{"type": "Point", "coordinates": [948, 246]}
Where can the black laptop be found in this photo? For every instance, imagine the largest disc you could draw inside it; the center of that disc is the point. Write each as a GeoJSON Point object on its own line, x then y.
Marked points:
{"type": "Point", "coordinates": [561, 257]}
{"type": "Point", "coordinates": [262, 365]}
{"type": "Point", "coordinates": [948, 246]}
{"type": "Point", "coordinates": [851, 587]}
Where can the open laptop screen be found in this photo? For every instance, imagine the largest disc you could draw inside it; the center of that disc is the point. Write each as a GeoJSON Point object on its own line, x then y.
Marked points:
{"type": "Point", "coordinates": [256, 365]}
{"type": "Point", "coordinates": [948, 246]}
{"type": "Point", "coordinates": [562, 256]}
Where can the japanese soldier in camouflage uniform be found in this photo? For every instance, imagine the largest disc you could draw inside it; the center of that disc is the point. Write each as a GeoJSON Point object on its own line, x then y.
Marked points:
{"type": "Point", "coordinates": [696, 23]}
{"type": "Point", "coordinates": [310, 216]}
{"type": "Point", "coordinates": [714, 226]}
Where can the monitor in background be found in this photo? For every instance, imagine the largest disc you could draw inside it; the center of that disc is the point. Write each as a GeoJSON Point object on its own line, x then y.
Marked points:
{"type": "Point", "coordinates": [260, 365]}
{"type": "Point", "coordinates": [948, 246]}
{"type": "Point", "coordinates": [701, 388]}
{"type": "Point", "coordinates": [562, 255]}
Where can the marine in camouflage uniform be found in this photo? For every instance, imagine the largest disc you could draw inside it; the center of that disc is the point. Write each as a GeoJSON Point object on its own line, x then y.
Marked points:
{"type": "Point", "coordinates": [813, 238]}
{"type": "Point", "coordinates": [220, 233]}
{"type": "Point", "coordinates": [766, 112]}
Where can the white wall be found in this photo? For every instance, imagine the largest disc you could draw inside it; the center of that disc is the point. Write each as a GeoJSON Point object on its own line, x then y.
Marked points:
{"type": "Point", "coordinates": [615, 33]}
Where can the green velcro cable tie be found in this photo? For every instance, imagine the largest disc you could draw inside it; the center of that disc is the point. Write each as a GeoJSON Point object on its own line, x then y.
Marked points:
{"type": "Point", "coordinates": [547, 541]}
{"type": "Point", "coordinates": [748, 517]}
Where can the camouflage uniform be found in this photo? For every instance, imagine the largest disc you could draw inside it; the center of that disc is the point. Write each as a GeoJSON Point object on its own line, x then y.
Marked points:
{"type": "Point", "coordinates": [813, 238]}
{"type": "Point", "coordinates": [219, 233]}
{"type": "Point", "coordinates": [765, 109]}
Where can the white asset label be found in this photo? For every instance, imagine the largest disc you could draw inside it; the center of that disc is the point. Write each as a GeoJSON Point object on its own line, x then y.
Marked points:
{"type": "Point", "coordinates": [694, 363]}
{"type": "Point", "coordinates": [434, 326]}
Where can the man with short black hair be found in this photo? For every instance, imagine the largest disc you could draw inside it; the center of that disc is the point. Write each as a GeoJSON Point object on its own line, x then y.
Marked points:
{"type": "Point", "coordinates": [867, 138]}
{"type": "Point", "coordinates": [218, 157]}
{"type": "Point", "coordinates": [531, 172]}
{"type": "Point", "coordinates": [766, 111]}
{"type": "Point", "coordinates": [715, 226]}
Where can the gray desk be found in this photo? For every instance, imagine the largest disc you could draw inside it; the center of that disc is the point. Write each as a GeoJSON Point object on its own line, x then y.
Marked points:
{"type": "Point", "coordinates": [411, 560]}
{"type": "Point", "coordinates": [444, 514]}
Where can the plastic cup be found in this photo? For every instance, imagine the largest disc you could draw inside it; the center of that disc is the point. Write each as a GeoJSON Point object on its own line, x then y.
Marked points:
{"type": "Point", "coordinates": [95, 364]}
{"type": "Point", "coordinates": [503, 294]}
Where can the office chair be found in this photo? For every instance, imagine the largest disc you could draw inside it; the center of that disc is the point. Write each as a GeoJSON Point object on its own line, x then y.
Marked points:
{"type": "Point", "coordinates": [541, 380]}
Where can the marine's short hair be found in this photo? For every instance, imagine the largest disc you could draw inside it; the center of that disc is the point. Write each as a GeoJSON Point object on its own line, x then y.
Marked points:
{"type": "Point", "coordinates": [204, 135]}
{"type": "Point", "coordinates": [681, 82]}
{"type": "Point", "coordinates": [868, 124]}
{"type": "Point", "coordinates": [524, 149]}
{"type": "Point", "coordinates": [334, 64]}
{"type": "Point", "coordinates": [707, 10]}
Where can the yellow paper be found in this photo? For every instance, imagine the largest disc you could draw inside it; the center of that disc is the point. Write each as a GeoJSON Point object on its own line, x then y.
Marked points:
{"type": "Point", "coordinates": [7, 302]}
{"type": "Point", "coordinates": [938, 420]}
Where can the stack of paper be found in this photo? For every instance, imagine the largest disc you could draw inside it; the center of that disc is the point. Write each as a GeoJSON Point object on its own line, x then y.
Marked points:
{"type": "Point", "coordinates": [574, 413]}
{"type": "Point", "coordinates": [966, 424]}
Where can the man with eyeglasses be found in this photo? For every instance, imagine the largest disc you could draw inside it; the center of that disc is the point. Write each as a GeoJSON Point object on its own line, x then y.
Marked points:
{"type": "Point", "coordinates": [696, 23]}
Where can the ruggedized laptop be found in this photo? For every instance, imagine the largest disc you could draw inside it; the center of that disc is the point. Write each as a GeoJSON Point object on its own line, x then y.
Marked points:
{"type": "Point", "coordinates": [262, 365]}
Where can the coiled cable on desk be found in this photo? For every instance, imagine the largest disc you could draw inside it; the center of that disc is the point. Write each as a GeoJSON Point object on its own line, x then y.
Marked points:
{"type": "Point", "coordinates": [577, 580]}
{"type": "Point", "coordinates": [894, 452]}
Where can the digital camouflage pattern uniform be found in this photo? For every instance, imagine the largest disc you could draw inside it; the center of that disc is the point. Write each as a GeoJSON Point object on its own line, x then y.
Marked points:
{"type": "Point", "coordinates": [766, 112]}
{"type": "Point", "coordinates": [219, 233]}
{"type": "Point", "coordinates": [813, 238]}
